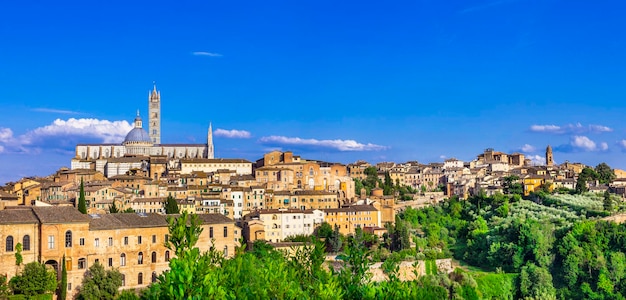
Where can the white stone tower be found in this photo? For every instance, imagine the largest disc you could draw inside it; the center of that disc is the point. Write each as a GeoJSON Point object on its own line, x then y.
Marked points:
{"type": "Point", "coordinates": [209, 141]}
{"type": "Point", "coordinates": [154, 109]}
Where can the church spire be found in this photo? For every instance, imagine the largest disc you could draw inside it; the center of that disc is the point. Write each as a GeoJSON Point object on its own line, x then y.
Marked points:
{"type": "Point", "coordinates": [209, 141]}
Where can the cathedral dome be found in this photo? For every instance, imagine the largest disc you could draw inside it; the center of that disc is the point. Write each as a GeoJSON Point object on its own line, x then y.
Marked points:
{"type": "Point", "coordinates": [137, 135]}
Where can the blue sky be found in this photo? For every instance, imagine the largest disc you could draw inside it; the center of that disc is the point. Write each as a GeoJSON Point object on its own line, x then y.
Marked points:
{"type": "Point", "coordinates": [331, 80]}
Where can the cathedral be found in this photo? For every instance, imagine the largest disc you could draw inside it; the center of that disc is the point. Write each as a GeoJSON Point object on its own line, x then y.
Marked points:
{"type": "Point", "coordinates": [139, 147]}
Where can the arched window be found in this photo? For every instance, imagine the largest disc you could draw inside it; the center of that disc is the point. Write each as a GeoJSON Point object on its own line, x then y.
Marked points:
{"type": "Point", "coordinates": [225, 251]}
{"type": "Point", "coordinates": [167, 255]}
{"type": "Point", "coordinates": [154, 257]}
{"type": "Point", "coordinates": [122, 260]}
{"type": "Point", "coordinates": [140, 258]}
{"type": "Point", "coordinates": [68, 239]}
{"type": "Point", "coordinates": [26, 243]}
{"type": "Point", "coordinates": [140, 278]}
{"type": "Point", "coordinates": [154, 277]}
{"type": "Point", "coordinates": [123, 280]}
{"type": "Point", "coordinates": [9, 245]}
{"type": "Point", "coordinates": [311, 171]}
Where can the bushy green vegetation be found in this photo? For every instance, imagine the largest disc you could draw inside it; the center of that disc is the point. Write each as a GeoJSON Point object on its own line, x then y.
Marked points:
{"type": "Point", "coordinates": [264, 273]}
{"type": "Point", "coordinates": [389, 187]}
{"type": "Point", "coordinates": [549, 249]}
{"type": "Point", "coordinates": [35, 279]}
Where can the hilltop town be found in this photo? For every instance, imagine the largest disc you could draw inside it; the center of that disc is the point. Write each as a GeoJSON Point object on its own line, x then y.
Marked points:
{"type": "Point", "coordinates": [280, 195]}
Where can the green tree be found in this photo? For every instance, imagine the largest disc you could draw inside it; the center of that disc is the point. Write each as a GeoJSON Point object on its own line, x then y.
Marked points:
{"type": "Point", "coordinates": [581, 185]}
{"type": "Point", "coordinates": [171, 206]}
{"type": "Point", "coordinates": [604, 173]}
{"type": "Point", "coordinates": [512, 186]}
{"type": "Point", "coordinates": [18, 254]}
{"type": "Point", "coordinates": [324, 230]}
{"type": "Point", "coordinates": [607, 202]}
{"type": "Point", "coordinates": [63, 285]}
{"type": "Point", "coordinates": [536, 283]}
{"type": "Point", "coordinates": [99, 283]}
{"type": "Point", "coordinates": [388, 188]}
{"type": "Point", "coordinates": [334, 241]}
{"type": "Point", "coordinates": [35, 279]}
{"type": "Point", "coordinates": [82, 206]}
{"type": "Point", "coordinates": [399, 234]}
{"type": "Point", "coordinates": [113, 209]}
{"type": "Point", "coordinates": [354, 275]}
{"type": "Point", "coordinates": [4, 287]}
{"type": "Point", "coordinates": [192, 275]}
{"type": "Point", "coordinates": [127, 295]}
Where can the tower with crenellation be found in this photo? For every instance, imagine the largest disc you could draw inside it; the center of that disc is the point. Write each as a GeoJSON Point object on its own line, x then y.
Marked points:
{"type": "Point", "coordinates": [154, 110]}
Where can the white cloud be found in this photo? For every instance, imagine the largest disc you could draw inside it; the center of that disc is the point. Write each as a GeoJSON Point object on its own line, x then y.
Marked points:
{"type": "Point", "coordinates": [604, 146]}
{"type": "Point", "coordinates": [233, 133]}
{"type": "Point", "coordinates": [107, 131]}
{"type": "Point", "coordinates": [545, 128]}
{"type": "Point", "coordinates": [622, 144]}
{"type": "Point", "coordinates": [570, 129]}
{"type": "Point", "coordinates": [583, 142]}
{"type": "Point", "coordinates": [443, 156]}
{"type": "Point", "coordinates": [63, 133]}
{"type": "Point", "coordinates": [55, 111]}
{"type": "Point", "coordinates": [599, 128]}
{"type": "Point", "coordinates": [537, 160]}
{"type": "Point", "coordinates": [204, 53]}
{"type": "Point", "coordinates": [6, 135]}
{"type": "Point", "coordinates": [341, 145]}
{"type": "Point", "coordinates": [1, 149]}
{"type": "Point", "coordinates": [528, 148]}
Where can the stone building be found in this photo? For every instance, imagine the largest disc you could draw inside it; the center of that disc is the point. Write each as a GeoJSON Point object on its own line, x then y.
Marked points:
{"type": "Point", "coordinates": [132, 243]}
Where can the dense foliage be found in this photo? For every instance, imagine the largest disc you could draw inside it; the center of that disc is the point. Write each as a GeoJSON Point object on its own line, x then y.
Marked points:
{"type": "Point", "coordinates": [389, 187]}
{"type": "Point", "coordinates": [35, 279]}
{"type": "Point", "coordinates": [171, 206]}
{"type": "Point", "coordinates": [99, 283]}
{"type": "Point", "coordinates": [265, 273]}
{"type": "Point", "coordinates": [551, 244]}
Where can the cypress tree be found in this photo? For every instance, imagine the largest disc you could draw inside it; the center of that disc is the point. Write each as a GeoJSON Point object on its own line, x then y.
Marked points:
{"type": "Point", "coordinates": [63, 286]}
{"type": "Point", "coordinates": [171, 206]}
{"type": "Point", "coordinates": [82, 207]}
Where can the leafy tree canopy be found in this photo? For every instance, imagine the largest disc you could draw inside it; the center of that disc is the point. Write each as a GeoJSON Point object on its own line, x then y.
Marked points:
{"type": "Point", "coordinates": [35, 279]}
{"type": "Point", "coordinates": [99, 283]}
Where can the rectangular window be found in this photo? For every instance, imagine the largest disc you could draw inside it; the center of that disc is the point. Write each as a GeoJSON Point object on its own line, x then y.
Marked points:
{"type": "Point", "coordinates": [110, 241]}
{"type": "Point", "coordinates": [167, 238]}
{"type": "Point", "coordinates": [110, 261]}
{"type": "Point", "coordinates": [81, 263]}
{"type": "Point", "coordinates": [125, 240]}
{"type": "Point", "coordinates": [154, 238]}
{"type": "Point", "coordinates": [211, 232]}
{"type": "Point", "coordinates": [225, 231]}
{"type": "Point", "coordinates": [51, 242]}
{"type": "Point", "coordinates": [97, 242]}
{"type": "Point", "coordinates": [81, 241]}
{"type": "Point", "coordinates": [139, 240]}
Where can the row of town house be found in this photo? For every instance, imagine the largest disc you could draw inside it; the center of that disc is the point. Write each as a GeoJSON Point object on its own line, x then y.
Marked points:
{"type": "Point", "coordinates": [132, 243]}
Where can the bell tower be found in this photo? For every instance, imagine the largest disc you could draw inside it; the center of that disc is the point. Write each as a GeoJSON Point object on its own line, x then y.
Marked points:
{"type": "Point", "coordinates": [209, 141]}
{"type": "Point", "coordinates": [549, 157]}
{"type": "Point", "coordinates": [154, 115]}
